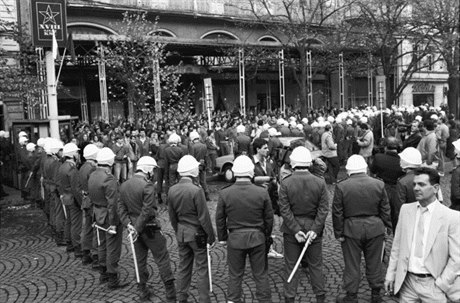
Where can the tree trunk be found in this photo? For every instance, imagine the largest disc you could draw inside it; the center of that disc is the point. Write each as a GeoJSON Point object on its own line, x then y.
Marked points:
{"type": "Point", "coordinates": [453, 95]}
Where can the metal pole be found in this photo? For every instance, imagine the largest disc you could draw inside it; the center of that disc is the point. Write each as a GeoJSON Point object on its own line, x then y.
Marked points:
{"type": "Point", "coordinates": [131, 241]}
{"type": "Point", "coordinates": [309, 81]}
{"type": "Point", "coordinates": [381, 106]}
{"type": "Point", "coordinates": [242, 82]}
{"type": "Point", "coordinates": [103, 85]}
{"type": "Point", "coordinates": [52, 95]}
{"type": "Point", "coordinates": [157, 86]}
{"type": "Point", "coordinates": [341, 82]}
{"type": "Point", "coordinates": [282, 83]}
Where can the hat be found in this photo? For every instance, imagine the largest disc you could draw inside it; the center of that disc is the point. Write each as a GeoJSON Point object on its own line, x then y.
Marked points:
{"type": "Point", "coordinates": [243, 167]}
{"type": "Point", "coordinates": [356, 164]}
{"type": "Point", "coordinates": [300, 156]}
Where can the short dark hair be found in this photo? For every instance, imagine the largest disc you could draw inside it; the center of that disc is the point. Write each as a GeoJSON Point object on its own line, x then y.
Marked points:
{"type": "Point", "coordinates": [257, 144]}
{"type": "Point", "coordinates": [428, 124]}
{"type": "Point", "coordinates": [432, 174]}
{"type": "Point", "coordinates": [328, 127]}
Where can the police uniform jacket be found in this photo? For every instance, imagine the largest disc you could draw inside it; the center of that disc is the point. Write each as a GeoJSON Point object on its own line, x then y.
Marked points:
{"type": "Point", "coordinates": [242, 144]}
{"type": "Point", "coordinates": [161, 156]}
{"type": "Point", "coordinates": [199, 151]}
{"type": "Point", "coordinates": [67, 182]}
{"type": "Point", "coordinates": [274, 144]}
{"type": "Point", "coordinates": [387, 167]}
{"type": "Point", "coordinates": [137, 203]}
{"type": "Point", "coordinates": [405, 189]}
{"type": "Point", "coordinates": [244, 215]}
{"type": "Point", "coordinates": [360, 207]}
{"type": "Point", "coordinates": [304, 203]}
{"type": "Point", "coordinates": [83, 176]}
{"type": "Point", "coordinates": [103, 192]}
{"type": "Point", "coordinates": [188, 211]}
{"type": "Point", "coordinates": [50, 167]}
{"type": "Point", "coordinates": [173, 154]}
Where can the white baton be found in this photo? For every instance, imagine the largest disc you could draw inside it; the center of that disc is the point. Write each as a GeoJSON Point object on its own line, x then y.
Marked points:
{"type": "Point", "coordinates": [208, 248]}
{"type": "Point", "coordinates": [131, 241]}
{"type": "Point", "coordinates": [307, 242]}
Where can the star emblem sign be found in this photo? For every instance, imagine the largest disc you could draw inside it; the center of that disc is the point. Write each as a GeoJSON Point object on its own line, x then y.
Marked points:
{"type": "Point", "coordinates": [48, 15]}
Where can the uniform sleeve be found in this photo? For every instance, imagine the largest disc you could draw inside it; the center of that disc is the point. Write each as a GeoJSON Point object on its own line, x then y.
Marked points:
{"type": "Point", "coordinates": [74, 184]}
{"type": "Point", "coordinates": [268, 215]}
{"type": "Point", "coordinates": [384, 208]}
{"type": "Point", "coordinates": [285, 210]}
{"type": "Point", "coordinates": [337, 213]}
{"type": "Point", "coordinates": [400, 197]}
{"type": "Point", "coordinates": [112, 196]}
{"type": "Point", "coordinates": [123, 212]}
{"type": "Point", "coordinates": [203, 215]}
{"type": "Point", "coordinates": [323, 209]}
{"type": "Point", "coordinates": [455, 185]}
{"type": "Point", "coordinates": [149, 207]}
{"type": "Point", "coordinates": [172, 214]}
{"type": "Point", "coordinates": [221, 220]}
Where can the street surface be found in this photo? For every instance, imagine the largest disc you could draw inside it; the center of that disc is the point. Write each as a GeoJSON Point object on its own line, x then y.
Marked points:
{"type": "Point", "coordinates": [34, 269]}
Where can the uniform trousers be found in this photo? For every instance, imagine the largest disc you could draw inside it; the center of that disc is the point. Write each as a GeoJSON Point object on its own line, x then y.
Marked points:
{"type": "Point", "coordinates": [202, 179]}
{"type": "Point", "coordinates": [189, 252]}
{"type": "Point", "coordinates": [173, 175]}
{"type": "Point", "coordinates": [372, 249]}
{"type": "Point", "coordinates": [392, 197]}
{"type": "Point", "coordinates": [73, 224]}
{"type": "Point", "coordinates": [313, 256]}
{"type": "Point", "coordinates": [161, 175]}
{"type": "Point", "coordinates": [110, 249]}
{"type": "Point", "coordinates": [57, 210]}
{"type": "Point", "coordinates": [157, 245]}
{"type": "Point", "coordinates": [48, 206]}
{"type": "Point", "coordinates": [88, 239]}
{"type": "Point", "coordinates": [236, 259]}
{"type": "Point", "coordinates": [420, 290]}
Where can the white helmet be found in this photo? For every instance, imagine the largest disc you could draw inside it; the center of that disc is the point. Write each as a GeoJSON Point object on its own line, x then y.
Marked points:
{"type": "Point", "coordinates": [299, 126]}
{"type": "Point", "coordinates": [22, 134]}
{"type": "Point", "coordinates": [330, 119]}
{"type": "Point", "coordinates": [240, 129]}
{"type": "Point", "coordinates": [411, 157]}
{"type": "Point", "coordinates": [70, 149]}
{"type": "Point", "coordinates": [364, 119]}
{"type": "Point", "coordinates": [41, 142]}
{"type": "Point", "coordinates": [272, 132]}
{"type": "Point", "coordinates": [105, 157]}
{"type": "Point", "coordinates": [146, 164]}
{"type": "Point", "coordinates": [90, 152]}
{"type": "Point", "coordinates": [293, 124]}
{"type": "Point", "coordinates": [174, 139]}
{"type": "Point", "coordinates": [300, 156]}
{"type": "Point", "coordinates": [2, 133]}
{"type": "Point", "coordinates": [243, 167]}
{"type": "Point", "coordinates": [349, 122]}
{"type": "Point", "coordinates": [194, 135]}
{"type": "Point", "coordinates": [53, 146]}
{"type": "Point", "coordinates": [23, 140]}
{"type": "Point", "coordinates": [188, 166]}
{"type": "Point", "coordinates": [304, 120]}
{"type": "Point", "coordinates": [30, 147]}
{"type": "Point", "coordinates": [315, 124]}
{"type": "Point", "coordinates": [280, 121]}
{"type": "Point", "coordinates": [434, 117]}
{"type": "Point", "coordinates": [356, 164]}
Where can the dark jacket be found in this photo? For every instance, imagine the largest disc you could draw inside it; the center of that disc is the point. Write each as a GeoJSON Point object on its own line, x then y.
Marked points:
{"type": "Point", "coordinates": [387, 167]}
{"type": "Point", "coordinates": [358, 213]}
{"type": "Point", "coordinates": [103, 192]}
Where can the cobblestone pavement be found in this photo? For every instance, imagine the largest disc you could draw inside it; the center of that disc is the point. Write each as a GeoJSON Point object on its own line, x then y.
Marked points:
{"type": "Point", "coordinates": [34, 269]}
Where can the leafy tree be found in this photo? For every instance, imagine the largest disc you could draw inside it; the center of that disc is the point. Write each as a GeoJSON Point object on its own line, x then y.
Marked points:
{"type": "Point", "coordinates": [18, 68]}
{"type": "Point", "coordinates": [387, 30]}
{"type": "Point", "coordinates": [131, 57]}
{"type": "Point", "coordinates": [440, 19]}
{"type": "Point", "coordinates": [301, 26]}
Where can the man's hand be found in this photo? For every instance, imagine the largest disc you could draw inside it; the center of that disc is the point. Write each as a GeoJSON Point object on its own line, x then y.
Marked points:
{"type": "Point", "coordinates": [112, 230]}
{"type": "Point", "coordinates": [223, 242]}
{"type": "Point", "coordinates": [300, 236]}
{"type": "Point", "coordinates": [312, 235]}
{"type": "Point", "coordinates": [389, 287]}
{"type": "Point", "coordinates": [132, 231]}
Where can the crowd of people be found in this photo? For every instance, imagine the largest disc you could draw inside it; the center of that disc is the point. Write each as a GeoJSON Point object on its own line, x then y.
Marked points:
{"type": "Point", "coordinates": [101, 178]}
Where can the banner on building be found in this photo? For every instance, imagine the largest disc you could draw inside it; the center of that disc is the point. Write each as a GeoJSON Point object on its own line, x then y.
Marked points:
{"type": "Point", "coordinates": [48, 17]}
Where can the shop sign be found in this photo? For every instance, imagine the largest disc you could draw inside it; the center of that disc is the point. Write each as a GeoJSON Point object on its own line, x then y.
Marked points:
{"type": "Point", "coordinates": [49, 16]}
{"type": "Point", "coordinates": [423, 87]}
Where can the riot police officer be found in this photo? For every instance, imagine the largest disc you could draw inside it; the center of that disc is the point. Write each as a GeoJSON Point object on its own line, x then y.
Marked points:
{"type": "Point", "coordinates": [88, 240]}
{"type": "Point", "coordinates": [359, 218]}
{"type": "Point", "coordinates": [138, 212]}
{"type": "Point", "coordinates": [199, 151]}
{"type": "Point", "coordinates": [244, 218]}
{"type": "Point", "coordinates": [67, 187]}
{"type": "Point", "coordinates": [103, 192]}
{"type": "Point", "coordinates": [304, 204]}
{"type": "Point", "coordinates": [173, 153]}
{"type": "Point", "coordinates": [190, 219]}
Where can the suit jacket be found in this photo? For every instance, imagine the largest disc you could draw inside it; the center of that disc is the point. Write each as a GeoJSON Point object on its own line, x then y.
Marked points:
{"type": "Point", "coordinates": [443, 246]}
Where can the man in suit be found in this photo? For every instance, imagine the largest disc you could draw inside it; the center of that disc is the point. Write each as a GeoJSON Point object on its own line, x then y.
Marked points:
{"type": "Point", "coordinates": [244, 218]}
{"type": "Point", "coordinates": [425, 257]}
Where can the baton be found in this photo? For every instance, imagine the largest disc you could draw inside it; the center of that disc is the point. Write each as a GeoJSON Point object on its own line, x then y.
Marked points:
{"type": "Point", "coordinates": [28, 179]}
{"type": "Point", "coordinates": [208, 249]}
{"type": "Point", "coordinates": [131, 241]}
{"type": "Point", "coordinates": [110, 231]}
{"type": "Point", "coordinates": [63, 207]}
{"type": "Point", "coordinates": [383, 250]}
{"type": "Point", "coordinates": [98, 238]}
{"type": "Point", "coordinates": [307, 242]}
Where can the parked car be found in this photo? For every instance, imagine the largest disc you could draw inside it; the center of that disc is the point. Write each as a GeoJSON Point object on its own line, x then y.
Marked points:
{"type": "Point", "coordinates": [224, 164]}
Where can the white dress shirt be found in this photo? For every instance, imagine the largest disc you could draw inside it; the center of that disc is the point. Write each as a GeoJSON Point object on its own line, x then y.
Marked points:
{"type": "Point", "coordinates": [416, 265]}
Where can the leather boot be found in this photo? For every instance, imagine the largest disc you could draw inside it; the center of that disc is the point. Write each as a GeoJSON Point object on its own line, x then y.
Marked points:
{"type": "Point", "coordinates": [144, 292]}
{"type": "Point", "coordinates": [320, 298]}
{"type": "Point", "coordinates": [95, 263]}
{"type": "Point", "coordinates": [104, 276]}
{"type": "Point", "coordinates": [376, 296]}
{"type": "Point", "coordinates": [114, 281]}
{"type": "Point", "coordinates": [77, 251]}
{"type": "Point", "coordinates": [170, 291]}
{"type": "Point", "coordinates": [348, 298]}
{"type": "Point", "coordinates": [60, 239]}
{"type": "Point", "coordinates": [86, 259]}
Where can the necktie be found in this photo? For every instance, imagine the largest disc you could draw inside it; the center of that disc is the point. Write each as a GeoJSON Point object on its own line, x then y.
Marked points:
{"type": "Point", "coordinates": [420, 232]}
